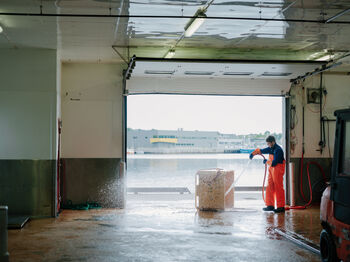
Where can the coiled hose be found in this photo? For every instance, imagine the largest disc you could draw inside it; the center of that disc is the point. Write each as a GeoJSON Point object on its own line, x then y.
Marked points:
{"type": "Point", "coordinates": [301, 182]}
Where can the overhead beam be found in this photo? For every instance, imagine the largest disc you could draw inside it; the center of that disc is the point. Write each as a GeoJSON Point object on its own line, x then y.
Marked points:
{"type": "Point", "coordinates": [316, 72]}
{"type": "Point", "coordinates": [119, 54]}
{"type": "Point", "coordinates": [172, 17]}
{"type": "Point", "coordinates": [193, 60]}
{"type": "Point", "coordinates": [337, 15]}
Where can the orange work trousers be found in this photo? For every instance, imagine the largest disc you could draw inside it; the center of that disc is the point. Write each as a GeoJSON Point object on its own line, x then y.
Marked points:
{"type": "Point", "coordinates": [274, 190]}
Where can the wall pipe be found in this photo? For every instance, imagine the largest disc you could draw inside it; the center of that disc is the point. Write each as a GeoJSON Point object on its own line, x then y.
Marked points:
{"type": "Point", "coordinates": [321, 143]}
{"type": "Point", "coordinates": [289, 178]}
{"type": "Point", "coordinates": [173, 17]}
{"type": "Point", "coordinates": [4, 255]}
{"type": "Point", "coordinates": [126, 75]}
{"type": "Point", "coordinates": [303, 127]}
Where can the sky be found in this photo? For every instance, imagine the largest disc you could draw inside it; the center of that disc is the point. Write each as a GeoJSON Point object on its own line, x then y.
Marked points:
{"type": "Point", "coordinates": [226, 114]}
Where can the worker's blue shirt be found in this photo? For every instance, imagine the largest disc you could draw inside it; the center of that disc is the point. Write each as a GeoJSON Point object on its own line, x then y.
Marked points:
{"type": "Point", "coordinates": [277, 153]}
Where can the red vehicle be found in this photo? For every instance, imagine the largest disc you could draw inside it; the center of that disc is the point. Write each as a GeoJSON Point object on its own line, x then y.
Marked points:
{"type": "Point", "coordinates": [335, 203]}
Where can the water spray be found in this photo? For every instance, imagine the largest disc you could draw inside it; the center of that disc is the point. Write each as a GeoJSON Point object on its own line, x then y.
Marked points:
{"type": "Point", "coordinates": [238, 177]}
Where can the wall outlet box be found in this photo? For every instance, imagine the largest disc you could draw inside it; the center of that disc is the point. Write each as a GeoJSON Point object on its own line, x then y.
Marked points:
{"type": "Point", "coordinates": [313, 96]}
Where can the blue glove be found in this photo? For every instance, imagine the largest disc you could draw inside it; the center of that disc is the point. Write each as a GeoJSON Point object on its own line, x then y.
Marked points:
{"type": "Point", "coordinates": [264, 161]}
{"type": "Point", "coordinates": [251, 156]}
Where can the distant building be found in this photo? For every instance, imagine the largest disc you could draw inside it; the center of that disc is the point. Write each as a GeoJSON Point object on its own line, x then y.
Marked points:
{"type": "Point", "coordinates": [171, 141]}
{"type": "Point", "coordinates": [180, 141]}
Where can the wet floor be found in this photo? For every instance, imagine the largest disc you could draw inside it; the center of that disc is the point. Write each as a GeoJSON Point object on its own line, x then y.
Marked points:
{"type": "Point", "coordinates": [166, 228]}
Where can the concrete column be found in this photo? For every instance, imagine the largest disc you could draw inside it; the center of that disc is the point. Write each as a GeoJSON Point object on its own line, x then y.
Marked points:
{"type": "Point", "coordinates": [4, 255]}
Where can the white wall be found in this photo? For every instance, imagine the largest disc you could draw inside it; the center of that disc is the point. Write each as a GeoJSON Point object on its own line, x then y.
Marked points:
{"type": "Point", "coordinates": [27, 104]}
{"type": "Point", "coordinates": [338, 97]}
{"type": "Point", "coordinates": [91, 110]}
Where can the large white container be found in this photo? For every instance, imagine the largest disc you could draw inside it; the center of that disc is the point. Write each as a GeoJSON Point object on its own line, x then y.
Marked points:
{"type": "Point", "coordinates": [214, 190]}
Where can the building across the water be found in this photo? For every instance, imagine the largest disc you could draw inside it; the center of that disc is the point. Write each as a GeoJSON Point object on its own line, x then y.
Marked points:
{"type": "Point", "coordinates": [180, 141]}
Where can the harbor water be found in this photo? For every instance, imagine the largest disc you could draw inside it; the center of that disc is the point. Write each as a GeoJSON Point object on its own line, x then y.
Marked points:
{"type": "Point", "coordinates": [178, 170]}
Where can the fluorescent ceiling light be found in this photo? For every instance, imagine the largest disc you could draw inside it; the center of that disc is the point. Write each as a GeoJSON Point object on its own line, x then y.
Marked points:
{"type": "Point", "coordinates": [199, 73]}
{"type": "Point", "coordinates": [319, 55]}
{"type": "Point", "coordinates": [195, 22]}
{"type": "Point", "coordinates": [237, 73]}
{"type": "Point", "coordinates": [275, 74]}
{"type": "Point", "coordinates": [270, 5]}
{"type": "Point", "coordinates": [170, 54]}
{"type": "Point", "coordinates": [1, 30]}
{"type": "Point", "coordinates": [324, 58]}
{"type": "Point", "coordinates": [158, 72]}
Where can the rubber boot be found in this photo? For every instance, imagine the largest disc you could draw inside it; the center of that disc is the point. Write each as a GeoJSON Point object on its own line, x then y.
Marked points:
{"type": "Point", "coordinates": [279, 210]}
{"type": "Point", "coordinates": [269, 208]}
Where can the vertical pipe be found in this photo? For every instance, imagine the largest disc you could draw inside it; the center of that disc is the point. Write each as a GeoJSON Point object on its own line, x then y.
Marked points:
{"type": "Point", "coordinates": [321, 131]}
{"type": "Point", "coordinates": [125, 130]}
{"type": "Point", "coordinates": [123, 166]}
{"type": "Point", "coordinates": [58, 179]}
{"type": "Point", "coordinates": [286, 133]}
{"type": "Point", "coordinates": [302, 154]}
{"type": "Point", "coordinates": [292, 185]}
{"type": "Point", "coordinates": [4, 255]}
{"type": "Point", "coordinates": [124, 119]}
{"type": "Point", "coordinates": [122, 189]}
{"type": "Point", "coordinates": [303, 138]}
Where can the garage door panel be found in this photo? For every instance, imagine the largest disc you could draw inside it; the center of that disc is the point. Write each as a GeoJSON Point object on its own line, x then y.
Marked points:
{"type": "Point", "coordinates": [172, 76]}
{"type": "Point", "coordinates": [147, 85]}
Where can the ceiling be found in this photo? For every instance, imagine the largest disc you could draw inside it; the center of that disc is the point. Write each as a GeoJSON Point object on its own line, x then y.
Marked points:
{"type": "Point", "coordinates": [295, 31]}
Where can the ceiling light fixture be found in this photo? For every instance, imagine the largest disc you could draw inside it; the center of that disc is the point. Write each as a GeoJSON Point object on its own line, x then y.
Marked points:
{"type": "Point", "coordinates": [312, 56]}
{"type": "Point", "coordinates": [199, 73]}
{"type": "Point", "coordinates": [170, 54]}
{"type": "Point", "coordinates": [269, 5]}
{"type": "Point", "coordinates": [275, 74]}
{"type": "Point", "coordinates": [237, 73]}
{"type": "Point", "coordinates": [158, 72]}
{"type": "Point", "coordinates": [1, 29]}
{"type": "Point", "coordinates": [325, 58]}
{"type": "Point", "coordinates": [196, 21]}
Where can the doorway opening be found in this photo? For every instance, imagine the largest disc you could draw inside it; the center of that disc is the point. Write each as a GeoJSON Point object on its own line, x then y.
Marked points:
{"type": "Point", "coordinates": [171, 137]}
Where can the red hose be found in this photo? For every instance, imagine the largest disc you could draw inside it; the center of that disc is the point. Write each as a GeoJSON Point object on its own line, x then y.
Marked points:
{"type": "Point", "coordinates": [301, 182]}
{"type": "Point", "coordinates": [308, 173]}
{"type": "Point", "coordinates": [263, 186]}
{"type": "Point", "coordinates": [301, 186]}
{"type": "Point", "coordinates": [58, 167]}
{"type": "Point", "coordinates": [301, 176]}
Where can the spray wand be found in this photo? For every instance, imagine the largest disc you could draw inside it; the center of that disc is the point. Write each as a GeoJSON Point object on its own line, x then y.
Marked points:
{"type": "Point", "coordinates": [238, 177]}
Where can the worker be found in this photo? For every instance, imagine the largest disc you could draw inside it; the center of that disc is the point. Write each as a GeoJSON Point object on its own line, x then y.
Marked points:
{"type": "Point", "coordinates": [276, 163]}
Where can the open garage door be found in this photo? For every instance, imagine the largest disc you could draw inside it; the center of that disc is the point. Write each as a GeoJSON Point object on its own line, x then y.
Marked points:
{"type": "Point", "coordinates": [173, 76]}
{"type": "Point", "coordinates": [200, 77]}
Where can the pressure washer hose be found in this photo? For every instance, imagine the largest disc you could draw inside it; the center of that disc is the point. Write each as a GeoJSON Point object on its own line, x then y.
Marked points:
{"type": "Point", "coordinates": [301, 182]}
{"type": "Point", "coordinates": [308, 174]}
{"type": "Point", "coordinates": [263, 186]}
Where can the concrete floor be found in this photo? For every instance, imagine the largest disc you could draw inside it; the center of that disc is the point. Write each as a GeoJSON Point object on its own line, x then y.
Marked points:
{"type": "Point", "coordinates": [166, 228]}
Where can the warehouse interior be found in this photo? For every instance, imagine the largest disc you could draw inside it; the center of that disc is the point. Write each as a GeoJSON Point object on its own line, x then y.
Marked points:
{"type": "Point", "coordinates": [67, 68]}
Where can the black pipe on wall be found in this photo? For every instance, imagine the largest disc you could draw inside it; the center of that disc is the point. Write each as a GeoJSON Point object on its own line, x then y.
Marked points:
{"type": "Point", "coordinates": [173, 17]}
{"type": "Point", "coordinates": [321, 143]}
